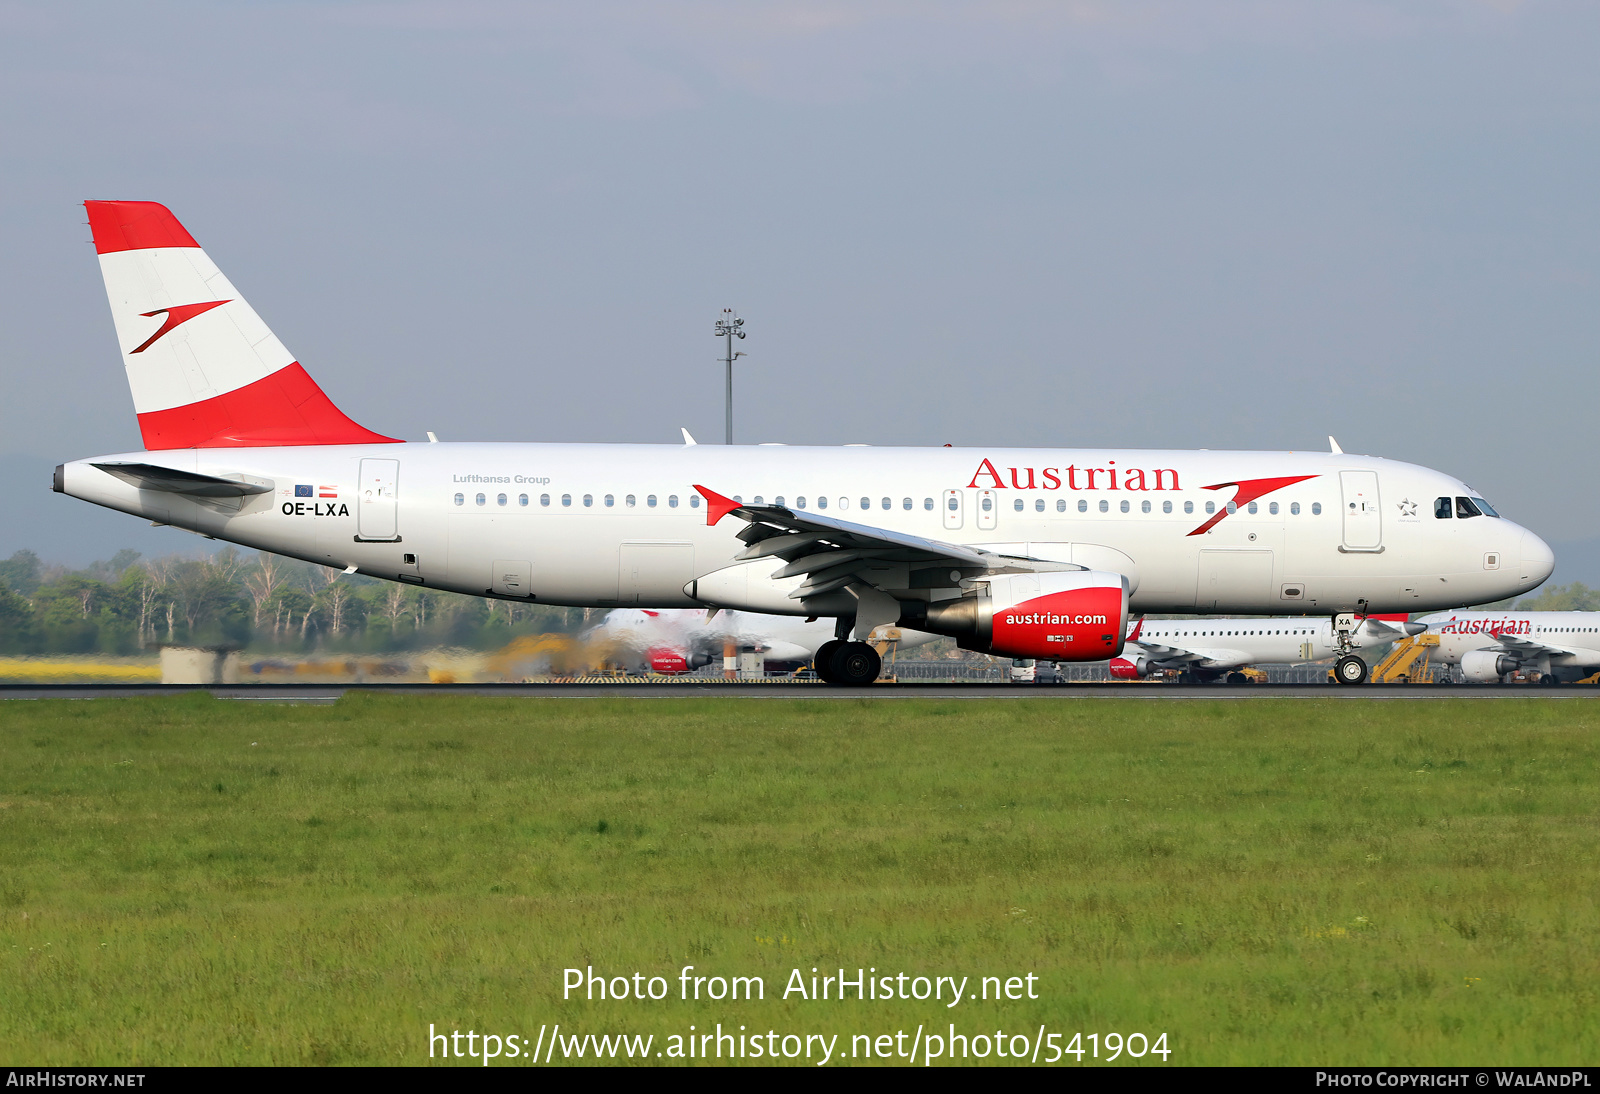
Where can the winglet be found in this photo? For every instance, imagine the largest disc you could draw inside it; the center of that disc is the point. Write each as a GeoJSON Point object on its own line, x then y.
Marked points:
{"type": "Point", "coordinates": [717, 506]}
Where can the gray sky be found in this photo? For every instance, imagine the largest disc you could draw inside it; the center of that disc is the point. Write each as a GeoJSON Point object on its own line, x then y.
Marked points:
{"type": "Point", "coordinates": [1170, 223]}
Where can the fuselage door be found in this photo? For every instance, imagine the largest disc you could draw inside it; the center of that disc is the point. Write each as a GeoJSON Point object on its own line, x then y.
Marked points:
{"type": "Point", "coordinates": [378, 501]}
{"type": "Point", "coordinates": [1363, 522]}
{"type": "Point", "coordinates": [950, 505]}
{"type": "Point", "coordinates": [988, 508]}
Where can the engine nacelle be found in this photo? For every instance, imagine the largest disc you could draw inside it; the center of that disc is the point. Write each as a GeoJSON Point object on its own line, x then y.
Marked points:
{"type": "Point", "coordinates": [1486, 666]}
{"type": "Point", "coordinates": [666, 662]}
{"type": "Point", "coordinates": [1069, 616]}
{"type": "Point", "coordinates": [1136, 667]}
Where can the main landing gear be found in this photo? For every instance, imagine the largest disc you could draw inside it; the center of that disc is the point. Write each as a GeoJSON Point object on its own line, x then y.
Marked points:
{"type": "Point", "coordinates": [853, 664]}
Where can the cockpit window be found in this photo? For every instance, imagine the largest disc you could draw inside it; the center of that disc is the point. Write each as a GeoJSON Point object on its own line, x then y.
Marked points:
{"type": "Point", "coordinates": [1442, 509]}
{"type": "Point", "coordinates": [1485, 507]}
{"type": "Point", "coordinates": [1465, 509]}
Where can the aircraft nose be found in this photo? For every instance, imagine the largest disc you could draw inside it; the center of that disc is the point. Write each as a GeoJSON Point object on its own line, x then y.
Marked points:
{"type": "Point", "coordinates": [1538, 560]}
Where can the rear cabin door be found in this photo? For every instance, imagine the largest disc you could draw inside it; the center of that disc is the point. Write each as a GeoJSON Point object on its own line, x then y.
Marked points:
{"type": "Point", "coordinates": [378, 500]}
{"type": "Point", "coordinates": [1363, 522]}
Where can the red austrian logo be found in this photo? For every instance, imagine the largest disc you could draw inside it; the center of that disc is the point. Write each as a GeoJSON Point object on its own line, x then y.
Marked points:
{"type": "Point", "coordinates": [176, 315]}
{"type": "Point", "coordinates": [1111, 477]}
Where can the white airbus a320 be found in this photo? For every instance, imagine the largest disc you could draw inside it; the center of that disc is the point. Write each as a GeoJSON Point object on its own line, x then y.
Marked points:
{"type": "Point", "coordinates": [1023, 553]}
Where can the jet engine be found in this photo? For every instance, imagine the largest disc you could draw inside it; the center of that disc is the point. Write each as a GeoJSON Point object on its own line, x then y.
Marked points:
{"type": "Point", "coordinates": [1136, 667]}
{"type": "Point", "coordinates": [1486, 666]}
{"type": "Point", "coordinates": [1067, 616]}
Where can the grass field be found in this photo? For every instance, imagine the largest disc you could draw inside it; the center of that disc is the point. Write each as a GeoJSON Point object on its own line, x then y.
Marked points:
{"type": "Point", "coordinates": [186, 880]}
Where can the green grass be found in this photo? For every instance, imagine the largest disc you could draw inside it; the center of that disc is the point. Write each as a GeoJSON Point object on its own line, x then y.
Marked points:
{"type": "Point", "coordinates": [188, 880]}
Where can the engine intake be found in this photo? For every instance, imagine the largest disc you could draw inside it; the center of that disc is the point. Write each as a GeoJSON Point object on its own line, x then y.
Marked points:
{"type": "Point", "coordinates": [1070, 616]}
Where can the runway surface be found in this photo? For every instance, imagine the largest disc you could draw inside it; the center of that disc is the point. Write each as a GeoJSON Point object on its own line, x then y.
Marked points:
{"type": "Point", "coordinates": [327, 693]}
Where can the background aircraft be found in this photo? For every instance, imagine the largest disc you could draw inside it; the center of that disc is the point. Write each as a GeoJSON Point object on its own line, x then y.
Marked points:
{"type": "Point", "coordinates": [1206, 649]}
{"type": "Point", "coordinates": [1560, 646]}
{"type": "Point", "coordinates": [678, 640]}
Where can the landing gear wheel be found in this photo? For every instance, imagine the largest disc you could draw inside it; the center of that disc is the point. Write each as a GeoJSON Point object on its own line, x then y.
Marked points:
{"type": "Point", "coordinates": [855, 664]}
{"type": "Point", "coordinates": [822, 662]}
{"type": "Point", "coordinates": [1237, 678]}
{"type": "Point", "coordinates": [1350, 670]}
{"type": "Point", "coordinates": [1549, 679]}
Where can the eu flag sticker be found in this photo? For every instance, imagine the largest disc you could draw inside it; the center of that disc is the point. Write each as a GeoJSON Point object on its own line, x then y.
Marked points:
{"type": "Point", "coordinates": [302, 491]}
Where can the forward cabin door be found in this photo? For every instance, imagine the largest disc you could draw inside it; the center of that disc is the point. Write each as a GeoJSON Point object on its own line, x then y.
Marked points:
{"type": "Point", "coordinates": [1363, 522]}
{"type": "Point", "coordinates": [377, 501]}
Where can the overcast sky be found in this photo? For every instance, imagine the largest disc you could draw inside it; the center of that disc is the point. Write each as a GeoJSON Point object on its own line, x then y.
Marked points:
{"type": "Point", "coordinates": [1163, 223]}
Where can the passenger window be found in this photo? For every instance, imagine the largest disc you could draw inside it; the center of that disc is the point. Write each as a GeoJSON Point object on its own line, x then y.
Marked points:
{"type": "Point", "coordinates": [630, 501]}
{"type": "Point", "coordinates": [500, 499]}
{"type": "Point", "coordinates": [1061, 505]}
{"type": "Point", "coordinates": [650, 501]}
{"type": "Point", "coordinates": [566, 499]}
{"type": "Point", "coordinates": [1038, 505]}
{"type": "Point", "coordinates": [1144, 507]}
{"type": "Point", "coordinates": [887, 504]}
{"type": "Point", "coordinates": [588, 501]}
{"type": "Point", "coordinates": [800, 502]}
{"type": "Point", "coordinates": [1017, 505]}
{"type": "Point", "coordinates": [954, 504]}
{"type": "Point", "coordinates": [610, 501]}
{"type": "Point", "coordinates": [1232, 508]}
{"type": "Point", "coordinates": [988, 504]}
{"type": "Point", "coordinates": [1272, 509]}
{"type": "Point", "coordinates": [778, 501]}
{"type": "Point", "coordinates": [1465, 509]}
{"type": "Point", "coordinates": [482, 499]}
{"type": "Point", "coordinates": [1316, 508]}
{"type": "Point", "coordinates": [522, 499]}
{"type": "Point", "coordinates": [1294, 509]}
{"type": "Point", "coordinates": [1188, 507]}
{"type": "Point", "coordinates": [544, 499]}
{"type": "Point", "coordinates": [866, 503]}
{"type": "Point", "coordinates": [1251, 509]}
{"type": "Point", "coordinates": [1211, 507]}
{"type": "Point", "coordinates": [1083, 505]}
{"type": "Point", "coordinates": [461, 499]}
{"type": "Point", "coordinates": [906, 504]}
{"type": "Point", "coordinates": [1105, 506]}
{"type": "Point", "coordinates": [758, 500]}
{"type": "Point", "coordinates": [844, 503]}
{"type": "Point", "coordinates": [927, 503]}
{"type": "Point", "coordinates": [738, 498]}
{"type": "Point", "coordinates": [1124, 506]}
{"type": "Point", "coordinates": [1166, 507]}
{"type": "Point", "coordinates": [1441, 509]}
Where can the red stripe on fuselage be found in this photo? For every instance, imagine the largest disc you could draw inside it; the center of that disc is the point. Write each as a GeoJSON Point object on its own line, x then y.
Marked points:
{"type": "Point", "coordinates": [285, 408]}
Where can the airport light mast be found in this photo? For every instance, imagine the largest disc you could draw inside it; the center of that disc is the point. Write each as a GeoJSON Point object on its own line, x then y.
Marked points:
{"type": "Point", "coordinates": [729, 327]}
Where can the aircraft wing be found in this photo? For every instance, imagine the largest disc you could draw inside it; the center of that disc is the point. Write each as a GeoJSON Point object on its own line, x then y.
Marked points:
{"type": "Point", "coordinates": [1167, 655]}
{"type": "Point", "coordinates": [834, 553]}
{"type": "Point", "coordinates": [149, 476]}
{"type": "Point", "coordinates": [1521, 647]}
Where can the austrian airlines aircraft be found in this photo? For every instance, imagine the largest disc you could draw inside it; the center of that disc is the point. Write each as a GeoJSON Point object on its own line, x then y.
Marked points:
{"type": "Point", "coordinates": [1209, 648]}
{"type": "Point", "coordinates": [1488, 645]}
{"type": "Point", "coordinates": [1018, 552]}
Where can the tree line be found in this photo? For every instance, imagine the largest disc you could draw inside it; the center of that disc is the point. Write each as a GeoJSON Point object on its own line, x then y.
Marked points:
{"type": "Point", "coordinates": [264, 601]}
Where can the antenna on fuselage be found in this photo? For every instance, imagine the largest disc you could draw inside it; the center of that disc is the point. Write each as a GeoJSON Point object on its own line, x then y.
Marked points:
{"type": "Point", "coordinates": [1333, 446]}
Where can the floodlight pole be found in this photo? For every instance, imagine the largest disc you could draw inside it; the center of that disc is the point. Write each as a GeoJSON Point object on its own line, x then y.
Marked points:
{"type": "Point", "coordinates": [728, 328]}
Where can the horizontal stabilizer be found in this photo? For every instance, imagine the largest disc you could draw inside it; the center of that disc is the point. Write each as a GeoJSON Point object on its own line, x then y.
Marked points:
{"type": "Point", "coordinates": [148, 476]}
